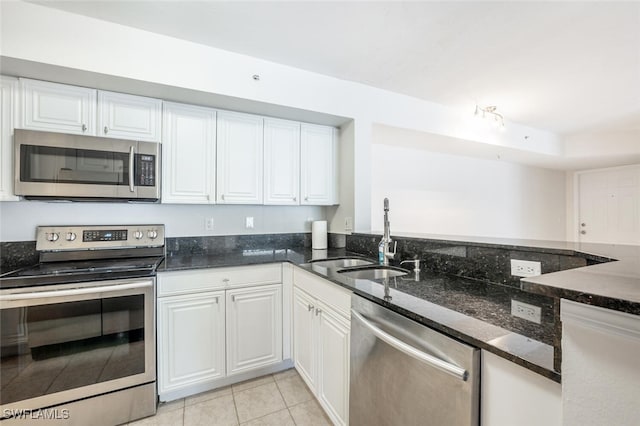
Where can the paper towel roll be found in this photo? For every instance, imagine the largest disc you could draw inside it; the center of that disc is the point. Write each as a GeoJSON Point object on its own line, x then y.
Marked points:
{"type": "Point", "coordinates": [319, 235]}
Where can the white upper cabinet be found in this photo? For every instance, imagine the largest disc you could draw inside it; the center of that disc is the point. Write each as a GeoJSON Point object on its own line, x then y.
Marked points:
{"type": "Point", "coordinates": [281, 162]}
{"type": "Point", "coordinates": [8, 115]}
{"type": "Point", "coordinates": [239, 158]}
{"type": "Point", "coordinates": [318, 165]}
{"type": "Point", "coordinates": [129, 117]}
{"type": "Point", "coordinates": [188, 153]}
{"type": "Point", "coordinates": [58, 107]}
{"type": "Point", "coordinates": [62, 108]}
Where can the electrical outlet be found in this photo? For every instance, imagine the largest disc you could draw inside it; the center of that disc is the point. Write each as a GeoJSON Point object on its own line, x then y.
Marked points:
{"type": "Point", "coordinates": [526, 311]}
{"type": "Point", "coordinates": [525, 268]}
{"type": "Point", "coordinates": [249, 222]}
{"type": "Point", "coordinates": [208, 224]}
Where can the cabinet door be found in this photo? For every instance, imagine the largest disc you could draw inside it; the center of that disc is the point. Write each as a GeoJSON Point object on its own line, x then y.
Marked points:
{"type": "Point", "coordinates": [188, 154]}
{"type": "Point", "coordinates": [58, 107]}
{"type": "Point", "coordinates": [8, 112]}
{"type": "Point", "coordinates": [317, 164]}
{"type": "Point", "coordinates": [239, 158]}
{"type": "Point", "coordinates": [333, 363]}
{"type": "Point", "coordinates": [129, 117]}
{"type": "Point", "coordinates": [191, 338]}
{"type": "Point", "coordinates": [304, 341]}
{"type": "Point", "coordinates": [281, 162]}
{"type": "Point", "coordinates": [254, 327]}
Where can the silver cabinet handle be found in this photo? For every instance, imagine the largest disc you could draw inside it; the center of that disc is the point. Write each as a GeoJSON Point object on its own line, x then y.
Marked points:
{"type": "Point", "coordinates": [75, 291]}
{"type": "Point", "coordinates": [309, 308]}
{"type": "Point", "coordinates": [233, 298]}
{"type": "Point", "coordinates": [106, 130]}
{"type": "Point", "coordinates": [318, 311]}
{"type": "Point", "coordinates": [583, 224]}
{"type": "Point", "coordinates": [583, 232]}
{"type": "Point", "coordinates": [84, 127]}
{"type": "Point", "coordinates": [216, 300]}
{"type": "Point", "coordinates": [441, 365]}
{"type": "Point", "coordinates": [132, 154]}
{"type": "Point", "coordinates": [306, 198]}
{"type": "Point", "coordinates": [295, 198]}
{"type": "Point", "coordinates": [222, 197]}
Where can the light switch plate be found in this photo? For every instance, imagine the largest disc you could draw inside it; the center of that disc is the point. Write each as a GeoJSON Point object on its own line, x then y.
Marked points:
{"type": "Point", "coordinates": [249, 222]}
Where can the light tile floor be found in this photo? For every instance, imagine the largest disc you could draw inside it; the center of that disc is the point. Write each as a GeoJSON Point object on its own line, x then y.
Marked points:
{"type": "Point", "coordinates": [280, 399]}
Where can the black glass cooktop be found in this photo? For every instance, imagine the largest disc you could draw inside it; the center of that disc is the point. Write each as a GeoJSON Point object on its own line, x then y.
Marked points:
{"type": "Point", "coordinates": [78, 271]}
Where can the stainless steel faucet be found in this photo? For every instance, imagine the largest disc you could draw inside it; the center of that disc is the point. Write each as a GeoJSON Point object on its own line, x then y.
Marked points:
{"type": "Point", "coordinates": [384, 252]}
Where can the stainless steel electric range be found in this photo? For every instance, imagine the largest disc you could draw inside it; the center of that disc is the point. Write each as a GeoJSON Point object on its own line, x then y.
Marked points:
{"type": "Point", "coordinates": [77, 338]}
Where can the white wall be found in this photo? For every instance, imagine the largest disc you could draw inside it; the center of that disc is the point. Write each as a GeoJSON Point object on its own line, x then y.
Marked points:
{"type": "Point", "coordinates": [18, 220]}
{"type": "Point", "coordinates": [78, 44]}
{"type": "Point", "coordinates": [438, 193]}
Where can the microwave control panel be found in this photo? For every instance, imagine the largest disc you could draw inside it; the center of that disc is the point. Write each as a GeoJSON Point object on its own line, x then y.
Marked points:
{"type": "Point", "coordinates": [145, 170]}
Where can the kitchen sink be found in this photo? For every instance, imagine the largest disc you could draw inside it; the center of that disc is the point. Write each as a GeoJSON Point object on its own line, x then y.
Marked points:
{"type": "Point", "coordinates": [373, 272]}
{"type": "Point", "coordinates": [341, 263]}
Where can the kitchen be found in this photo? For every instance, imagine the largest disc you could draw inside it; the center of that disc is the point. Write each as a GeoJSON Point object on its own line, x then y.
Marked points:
{"type": "Point", "coordinates": [454, 169]}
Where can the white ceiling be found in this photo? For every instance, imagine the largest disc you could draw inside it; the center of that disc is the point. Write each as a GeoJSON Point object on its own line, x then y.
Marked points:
{"type": "Point", "coordinates": [567, 67]}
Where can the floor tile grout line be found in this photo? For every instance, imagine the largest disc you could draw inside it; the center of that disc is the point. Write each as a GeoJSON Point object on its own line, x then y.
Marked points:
{"type": "Point", "coordinates": [235, 406]}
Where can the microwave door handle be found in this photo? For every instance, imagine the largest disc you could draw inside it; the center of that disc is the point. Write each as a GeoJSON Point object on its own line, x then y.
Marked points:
{"type": "Point", "coordinates": [132, 154]}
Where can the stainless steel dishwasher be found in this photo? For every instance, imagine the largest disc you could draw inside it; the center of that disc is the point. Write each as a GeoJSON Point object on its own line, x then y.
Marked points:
{"type": "Point", "coordinates": [403, 373]}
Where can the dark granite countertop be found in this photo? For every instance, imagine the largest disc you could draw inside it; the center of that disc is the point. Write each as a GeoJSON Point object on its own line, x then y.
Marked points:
{"type": "Point", "coordinates": [472, 311]}
{"type": "Point", "coordinates": [614, 284]}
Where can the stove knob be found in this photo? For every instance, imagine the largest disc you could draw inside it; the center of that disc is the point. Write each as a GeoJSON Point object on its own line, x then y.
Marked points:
{"type": "Point", "coordinates": [53, 236]}
{"type": "Point", "coordinates": [153, 234]}
{"type": "Point", "coordinates": [71, 236]}
{"type": "Point", "coordinates": [138, 235]}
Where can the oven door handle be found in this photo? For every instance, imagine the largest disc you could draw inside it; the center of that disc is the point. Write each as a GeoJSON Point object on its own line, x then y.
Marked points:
{"type": "Point", "coordinates": [75, 291]}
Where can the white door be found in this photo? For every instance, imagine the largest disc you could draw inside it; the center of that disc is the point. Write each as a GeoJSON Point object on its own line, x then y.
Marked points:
{"type": "Point", "coordinates": [129, 117]}
{"type": "Point", "coordinates": [281, 162]}
{"type": "Point", "coordinates": [188, 154]}
{"type": "Point", "coordinates": [317, 172]}
{"type": "Point", "coordinates": [304, 341]}
{"type": "Point", "coordinates": [239, 158]}
{"type": "Point", "coordinates": [8, 113]}
{"type": "Point", "coordinates": [609, 205]}
{"type": "Point", "coordinates": [58, 107]}
{"type": "Point", "coordinates": [254, 327]}
{"type": "Point", "coordinates": [191, 338]}
{"type": "Point", "coordinates": [333, 363]}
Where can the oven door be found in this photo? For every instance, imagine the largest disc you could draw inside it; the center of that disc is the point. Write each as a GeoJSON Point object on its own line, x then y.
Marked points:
{"type": "Point", "coordinates": [67, 342]}
{"type": "Point", "coordinates": [78, 167]}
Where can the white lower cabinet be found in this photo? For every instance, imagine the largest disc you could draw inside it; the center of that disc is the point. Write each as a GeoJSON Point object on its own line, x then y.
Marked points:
{"type": "Point", "coordinates": [217, 327]}
{"type": "Point", "coordinates": [191, 334]}
{"type": "Point", "coordinates": [254, 324]}
{"type": "Point", "coordinates": [513, 395]}
{"type": "Point", "coordinates": [321, 333]}
{"type": "Point", "coordinates": [600, 366]}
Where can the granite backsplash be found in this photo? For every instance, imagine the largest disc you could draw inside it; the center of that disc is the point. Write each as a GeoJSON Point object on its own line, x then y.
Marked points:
{"type": "Point", "coordinates": [17, 254]}
{"type": "Point", "coordinates": [484, 262]}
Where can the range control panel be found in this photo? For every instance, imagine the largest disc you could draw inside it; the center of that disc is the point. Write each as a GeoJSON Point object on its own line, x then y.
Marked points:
{"type": "Point", "coordinates": [53, 238]}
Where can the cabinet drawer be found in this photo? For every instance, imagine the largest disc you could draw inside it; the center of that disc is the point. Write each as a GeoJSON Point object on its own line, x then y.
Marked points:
{"type": "Point", "coordinates": [184, 282]}
{"type": "Point", "coordinates": [331, 294]}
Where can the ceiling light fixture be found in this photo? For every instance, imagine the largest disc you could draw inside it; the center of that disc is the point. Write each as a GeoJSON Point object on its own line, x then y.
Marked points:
{"type": "Point", "coordinates": [490, 113]}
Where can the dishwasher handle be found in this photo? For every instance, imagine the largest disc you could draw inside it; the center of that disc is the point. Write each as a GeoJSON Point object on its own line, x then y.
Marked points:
{"type": "Point", "coordinates": [433, 361]}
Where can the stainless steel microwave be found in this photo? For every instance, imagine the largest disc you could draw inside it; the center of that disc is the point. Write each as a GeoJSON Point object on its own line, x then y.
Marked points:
{"type": "Point", "coordinates": [76, 167]}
